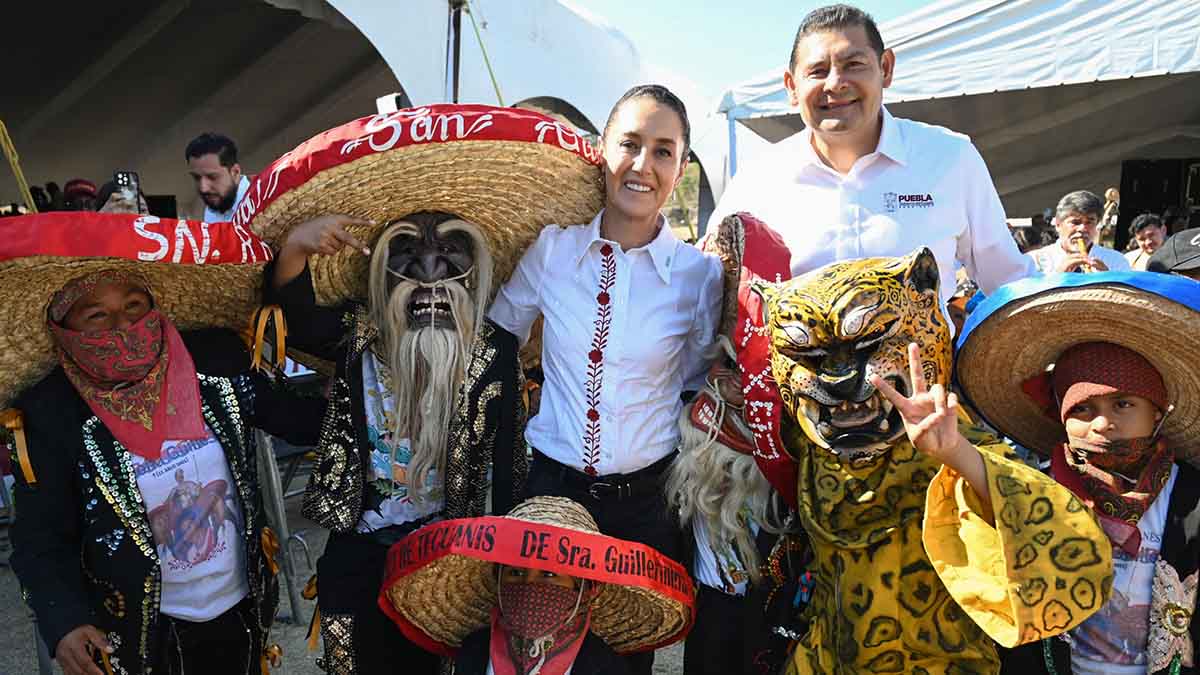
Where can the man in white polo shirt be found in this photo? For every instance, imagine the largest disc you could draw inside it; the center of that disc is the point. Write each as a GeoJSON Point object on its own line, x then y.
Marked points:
{"type": "Point", "coordinates": [1077, 221]}
{"type": "Point", "coordinates": [857, 182]}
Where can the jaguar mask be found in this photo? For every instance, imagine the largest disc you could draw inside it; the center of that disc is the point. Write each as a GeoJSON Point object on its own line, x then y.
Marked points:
{"type": "Point", "coordinates": [831, 329]}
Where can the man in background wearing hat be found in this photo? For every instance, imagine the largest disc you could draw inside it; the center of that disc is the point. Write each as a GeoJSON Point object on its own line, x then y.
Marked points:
{"type": "Point", "coordinates": [425, 419]}
{"type": "Point", "coordinates": [860, 183]}
{"type": "Point", "coordinates": [1077, 220]}
{"type": "Point", "coordinates": [141, 543]}
{"type": "Point", "coordinates": [79, 195]}
{"type": "Point", "coordinates": [1178, 255]}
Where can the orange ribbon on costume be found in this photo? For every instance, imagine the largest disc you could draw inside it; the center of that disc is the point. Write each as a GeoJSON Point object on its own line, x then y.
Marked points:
{"type": "Point", "coordinates": [257, 332]}
{"type": "Point", "coordinates": [270, 547]}
{"type": "Point", "coordinates": [314, 626]}
{"type": "Point", "coordinates": [14, 421]}
{"type": "Point", "coordinates": [272, 655]}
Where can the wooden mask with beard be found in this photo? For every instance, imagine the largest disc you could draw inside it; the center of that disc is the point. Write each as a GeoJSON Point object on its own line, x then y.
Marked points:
{"type": "Point", "coordinates": [429, 284]}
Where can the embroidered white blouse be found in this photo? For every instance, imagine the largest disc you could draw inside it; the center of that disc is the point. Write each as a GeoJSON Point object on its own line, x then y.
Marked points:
{"type": "Point", "coordinates": [625, 334]}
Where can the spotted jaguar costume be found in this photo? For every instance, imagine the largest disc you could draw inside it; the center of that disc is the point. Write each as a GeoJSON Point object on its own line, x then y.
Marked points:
{"type": "Point", "coordinates": [909, 576]}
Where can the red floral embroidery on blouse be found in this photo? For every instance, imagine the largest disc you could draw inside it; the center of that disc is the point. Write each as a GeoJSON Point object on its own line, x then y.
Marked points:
{"type": "Point", "coordinates": [595, 376]}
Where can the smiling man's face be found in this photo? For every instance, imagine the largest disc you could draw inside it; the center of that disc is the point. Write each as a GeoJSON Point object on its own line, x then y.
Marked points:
{"type": "Point", "coordinates": [838, 82]}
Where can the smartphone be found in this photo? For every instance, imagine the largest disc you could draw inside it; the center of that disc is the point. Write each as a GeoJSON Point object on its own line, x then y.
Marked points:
{"type": "Point", "coordinates": [130, 186]}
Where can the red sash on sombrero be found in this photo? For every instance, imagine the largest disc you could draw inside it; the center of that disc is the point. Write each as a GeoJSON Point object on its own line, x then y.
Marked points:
{"type": "Point", "coordinates": [432, 559]}
{"type": "Point", "coordinates": [432, 124]}
{"type": "Point", "coordinates": [200, 275]}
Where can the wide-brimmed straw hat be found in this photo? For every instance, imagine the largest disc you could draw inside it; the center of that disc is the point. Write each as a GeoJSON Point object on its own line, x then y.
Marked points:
{"type": "Point", "coordinates": [440, 584]}
{"type": "Point", "coordinates": [507, 170]}
{"type": "Point", "coordinates": [1016, 334]}
{"type": "Point", "coordinates": [200, 275]}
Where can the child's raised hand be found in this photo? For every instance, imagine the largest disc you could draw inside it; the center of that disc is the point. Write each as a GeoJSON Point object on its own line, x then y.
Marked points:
{"type": "Point", "coordinates": [930, 415]}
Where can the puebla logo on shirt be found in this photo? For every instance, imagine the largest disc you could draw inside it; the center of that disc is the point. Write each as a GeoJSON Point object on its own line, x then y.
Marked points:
{"type": "Point", "coordinates": [893, 201]}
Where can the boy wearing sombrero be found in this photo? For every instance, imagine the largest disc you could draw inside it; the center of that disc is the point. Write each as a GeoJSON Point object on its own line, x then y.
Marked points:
{"type": "Point", "coordinates": [537, 592]}
{"type": "Point", "coordinates": [1099, 376]}
{"type": "Point", "coordinates": [393, 234]}
{"type": "Point", "coordinates": [140, 539]}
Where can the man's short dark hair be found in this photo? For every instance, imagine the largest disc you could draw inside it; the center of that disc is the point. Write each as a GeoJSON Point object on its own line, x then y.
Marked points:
{"type": "Point", "coordinates": [836, 17]}
{"type": "Point", "coordinates": [1143, 221]}
{"type": "Point", "coordinates": [209, 143]}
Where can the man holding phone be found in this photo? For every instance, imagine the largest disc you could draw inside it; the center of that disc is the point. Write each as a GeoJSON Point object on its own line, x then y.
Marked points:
{"type": "Point", "coordinates": [213, 165]}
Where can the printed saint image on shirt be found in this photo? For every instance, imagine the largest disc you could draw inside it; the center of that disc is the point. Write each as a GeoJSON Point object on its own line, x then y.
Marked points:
{"type": "Point", "coordinates": [194, 518]}
{"type": "Point", "coordinates": [390, 476]}
{"type": "Point", "coordinates": [388, 498]}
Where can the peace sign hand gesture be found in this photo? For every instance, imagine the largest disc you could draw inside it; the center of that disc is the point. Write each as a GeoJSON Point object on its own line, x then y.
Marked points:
{"type": "Point", "coordinates": [930, 418]}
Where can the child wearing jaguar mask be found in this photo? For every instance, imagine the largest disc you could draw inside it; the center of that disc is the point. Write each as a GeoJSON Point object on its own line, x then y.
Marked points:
{"type": "Point", "coordinates": [1117, 394]}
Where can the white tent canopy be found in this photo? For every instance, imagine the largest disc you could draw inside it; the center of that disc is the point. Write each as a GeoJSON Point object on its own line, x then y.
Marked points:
{"type": "Point", "coordinates": [1055, 93]}
{"type": "Point", "coordinates": [548, 54]}
{"type": "Point", "coordinates": [271, 73]}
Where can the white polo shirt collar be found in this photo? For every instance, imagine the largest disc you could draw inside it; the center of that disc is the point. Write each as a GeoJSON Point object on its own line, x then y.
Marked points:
{"type": "Point", "coordinates": [661, 249]}
{"type": "Point", "coordinates": [891, 145]}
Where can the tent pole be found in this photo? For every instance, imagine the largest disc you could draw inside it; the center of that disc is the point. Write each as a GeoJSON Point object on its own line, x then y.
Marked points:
{"type": "Point", "coordinates": [454, 50]}
{"type": "Point", "coordinates": [732, 143]}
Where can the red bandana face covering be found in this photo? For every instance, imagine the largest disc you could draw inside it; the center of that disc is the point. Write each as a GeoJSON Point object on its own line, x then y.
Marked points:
{"type": "Point", "coordinates": [140, 381]}
{"type": "Point", "coordinates": [538, 628]}
{"type": "Point", "coordinates": [1118, 480]}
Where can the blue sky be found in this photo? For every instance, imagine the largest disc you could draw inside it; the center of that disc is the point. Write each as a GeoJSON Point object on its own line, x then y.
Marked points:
{"type": "Point", "coordinates": [717, 43]}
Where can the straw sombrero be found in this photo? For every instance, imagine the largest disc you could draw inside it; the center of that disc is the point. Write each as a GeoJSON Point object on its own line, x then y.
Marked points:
{"type": "Point", "coordinates": [1017, 333]}
{"type": "Point", "coordinates": [509, 171]}
{"type": "Point", "coordinates": [440, 584]}
{"type": "Point", "coordinates": [200, 274]}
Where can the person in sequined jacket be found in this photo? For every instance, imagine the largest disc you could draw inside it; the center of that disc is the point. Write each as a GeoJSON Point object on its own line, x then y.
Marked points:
{"type": "Point", "coordinates": [124, 576]}
{"type": "Point", "coordinates": [425, 413]}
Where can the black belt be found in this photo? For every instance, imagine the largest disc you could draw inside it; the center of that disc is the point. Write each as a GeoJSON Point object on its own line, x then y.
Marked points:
{"type": "Point", "coordinates": [646, 480]}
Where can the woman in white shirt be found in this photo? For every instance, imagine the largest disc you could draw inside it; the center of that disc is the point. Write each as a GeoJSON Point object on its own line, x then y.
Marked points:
{"type": "Point", "coordinates": [629, 312]}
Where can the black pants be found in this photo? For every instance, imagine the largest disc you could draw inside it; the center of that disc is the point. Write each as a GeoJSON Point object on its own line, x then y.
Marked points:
{"type": "Point", "coordinates": [715, 645]}
{"type": "Point", "coordinates": [230, 643]}
{"type": "Point", "coordinates": [359, 637]}
{"type": "Point", "coordinates": [643, 517]}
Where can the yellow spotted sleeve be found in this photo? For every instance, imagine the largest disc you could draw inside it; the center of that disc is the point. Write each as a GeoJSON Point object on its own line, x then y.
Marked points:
{"type": "Point", "coordinates": [1041, 569]}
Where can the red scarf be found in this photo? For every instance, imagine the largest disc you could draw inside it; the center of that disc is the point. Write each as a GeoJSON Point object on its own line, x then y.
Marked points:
{"type": "Point", "coordinates": [140, 381]}
{"type": "Point", "coordinates": [538, 629]}
{"type": "Point", "coordinates": [1090, 473]}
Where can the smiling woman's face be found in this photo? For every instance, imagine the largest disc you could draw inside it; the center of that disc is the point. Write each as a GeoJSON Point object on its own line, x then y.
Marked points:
{"type": "Point", "coordinates": [643, 157]}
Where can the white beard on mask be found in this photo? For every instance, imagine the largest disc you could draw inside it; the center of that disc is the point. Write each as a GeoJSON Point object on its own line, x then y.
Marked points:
{"type": "Point", "coordinates": [427, 363]}
{"type": "Point", "coordinates": [427, 366]}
